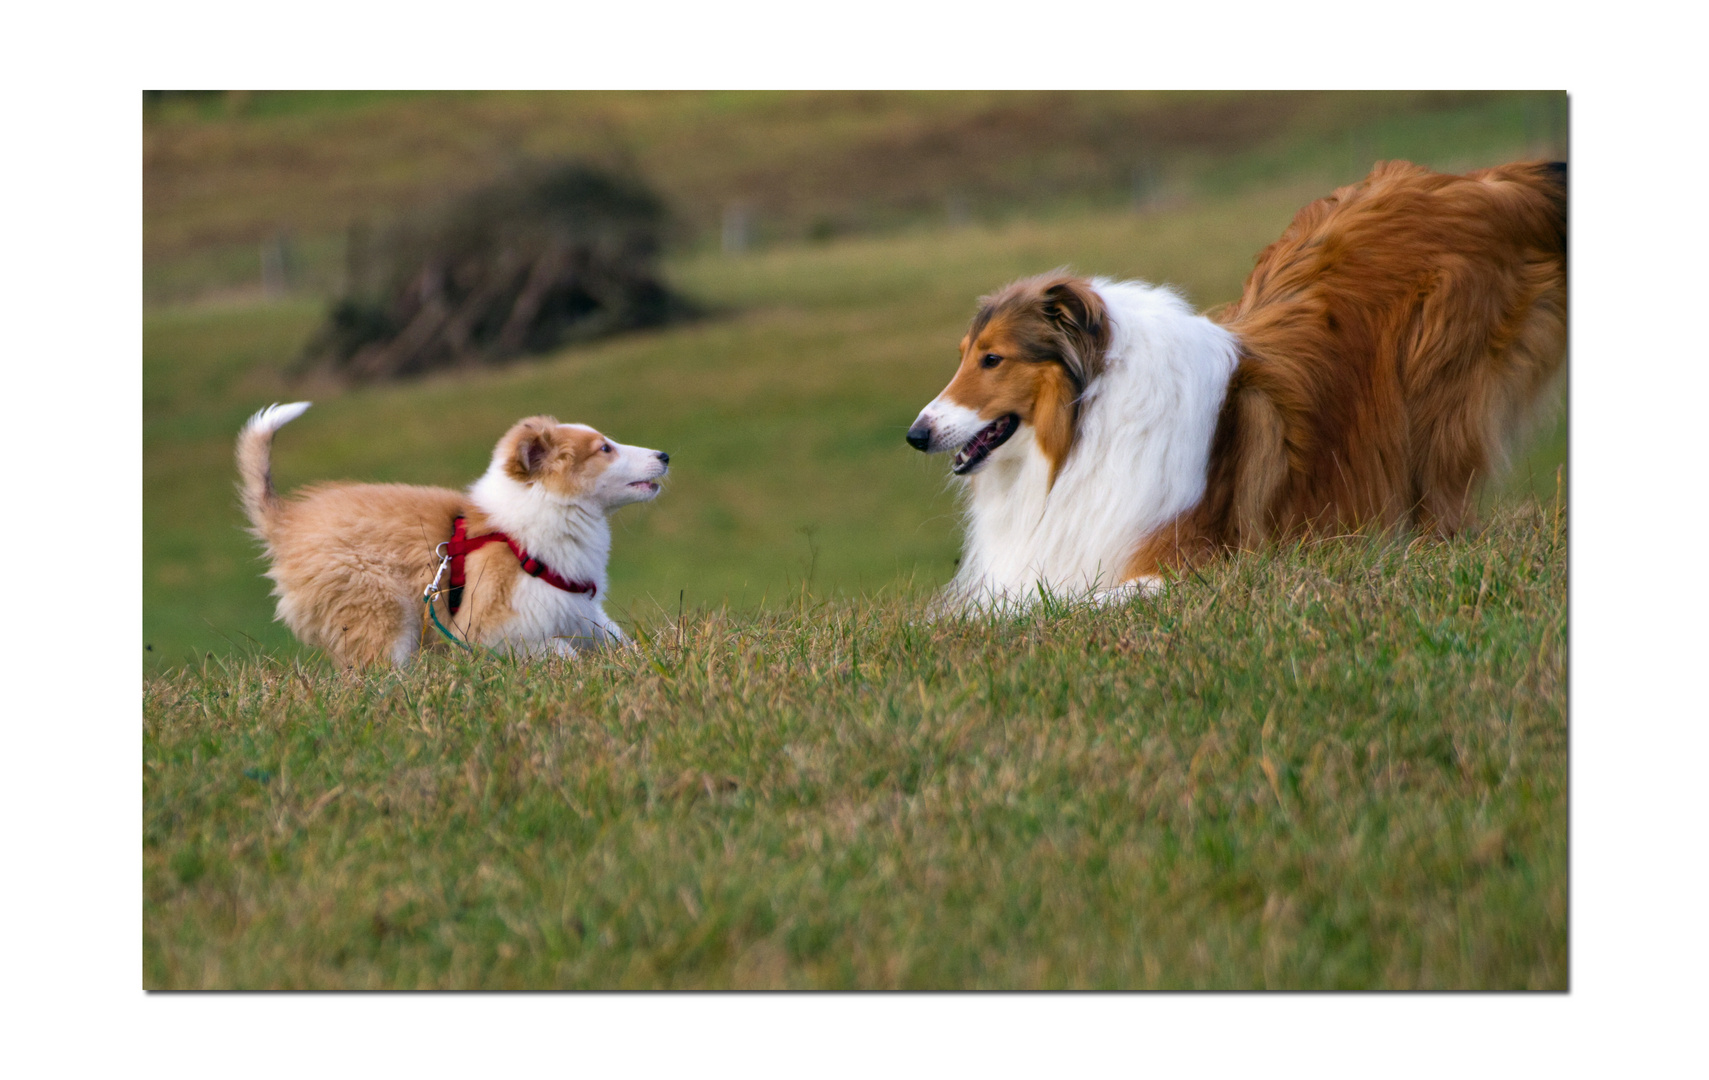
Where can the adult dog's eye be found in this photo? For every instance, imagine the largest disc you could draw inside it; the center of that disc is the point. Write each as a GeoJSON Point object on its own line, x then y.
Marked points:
{"type": "Point", "coordinates": [990, 359]}
{"type": "Point", "coordinates": [605, 448]}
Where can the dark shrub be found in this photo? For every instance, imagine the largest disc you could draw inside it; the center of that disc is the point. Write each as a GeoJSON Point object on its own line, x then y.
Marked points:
{"type": "Point", "coordinates": [550, 255]}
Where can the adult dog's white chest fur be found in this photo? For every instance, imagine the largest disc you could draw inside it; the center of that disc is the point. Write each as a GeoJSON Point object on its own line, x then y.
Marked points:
{"type": "Point", "coordinates": [1139, 459]}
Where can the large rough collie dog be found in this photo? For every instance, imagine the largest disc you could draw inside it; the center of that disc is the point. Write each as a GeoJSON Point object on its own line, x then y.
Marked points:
{"type": "Point", "coordinates": [525, 546]}
{"type": "Point", "coordinates": [1379, 362]}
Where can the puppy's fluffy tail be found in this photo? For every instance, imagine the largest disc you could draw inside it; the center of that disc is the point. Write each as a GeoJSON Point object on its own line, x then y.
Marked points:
{"type": "Point", "coordinates": [255, 463]}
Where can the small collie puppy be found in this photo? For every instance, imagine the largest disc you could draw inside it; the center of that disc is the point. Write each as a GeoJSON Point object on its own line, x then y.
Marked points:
{"type": "Point", "coordinates": [1381, 360]}
{"type": "Point", "coordinates": [525, 546]}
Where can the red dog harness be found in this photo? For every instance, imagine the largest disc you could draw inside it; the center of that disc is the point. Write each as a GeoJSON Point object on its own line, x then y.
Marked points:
{"type": "Point", "coordinates": [460, 545]}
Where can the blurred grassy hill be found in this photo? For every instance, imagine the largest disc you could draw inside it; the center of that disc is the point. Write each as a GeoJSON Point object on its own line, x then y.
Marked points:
{"type": "Point", "coordinates": [223, 173]}
{"type": "Point", "coordinates": [876, 222]}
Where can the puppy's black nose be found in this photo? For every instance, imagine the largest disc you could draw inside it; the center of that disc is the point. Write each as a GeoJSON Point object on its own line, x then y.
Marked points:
{"type": "Point", "coordinates": [664, 458]}
{"type": "Point", "coordinates": [920, 436]}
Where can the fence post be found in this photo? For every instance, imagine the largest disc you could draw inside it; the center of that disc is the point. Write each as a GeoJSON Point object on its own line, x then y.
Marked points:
{"type": "Point", "coordinates": [1142, 187]}
{"type": "Point", "coordinates": [276, 265]}
{"type": "Point", "coordinates": [736, 225]}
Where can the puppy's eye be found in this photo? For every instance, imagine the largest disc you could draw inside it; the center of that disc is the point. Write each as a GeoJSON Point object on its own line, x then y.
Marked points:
{"type": "Point", "coordinates": [990, 359]}
{"type": "Point", "coordinates": [605, 448]}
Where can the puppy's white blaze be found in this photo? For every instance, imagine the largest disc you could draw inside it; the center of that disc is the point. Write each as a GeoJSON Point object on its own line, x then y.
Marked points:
{"type": "Point", "coordinates": [951, 424]}
{"type": "Point", "coordinates": [636, 463]}
{"type": "Point", "coordinates": [274, 417]}
{"type": "Point", "coordinates": [1139, 458]}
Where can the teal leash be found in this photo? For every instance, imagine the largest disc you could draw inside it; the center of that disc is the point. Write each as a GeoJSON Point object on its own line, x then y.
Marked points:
{"type": "Point", "coordinates": [431, 593]}
{"type": "Point", "coordinates": [449, 636]}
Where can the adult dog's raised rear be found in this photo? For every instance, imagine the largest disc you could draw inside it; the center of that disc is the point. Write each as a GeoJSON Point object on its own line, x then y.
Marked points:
{"type": "Point", "coordinates": [1382, 357]}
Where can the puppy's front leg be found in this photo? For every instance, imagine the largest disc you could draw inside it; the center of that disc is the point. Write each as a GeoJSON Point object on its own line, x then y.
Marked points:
{"type": "Point", "coordinates": [563, 648]}
{"type": "Point", "coordinates": [601, 631]}
{"type": "Point", "coordinates": [613, 632]}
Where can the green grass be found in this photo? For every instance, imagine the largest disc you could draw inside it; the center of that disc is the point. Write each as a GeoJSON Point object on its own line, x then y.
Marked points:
{"type": "Point", "coordinates": [1339, 766]}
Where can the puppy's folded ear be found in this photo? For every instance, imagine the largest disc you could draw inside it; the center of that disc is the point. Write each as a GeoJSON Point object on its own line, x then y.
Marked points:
{"type": "Point", "coordinates": [534, 446]}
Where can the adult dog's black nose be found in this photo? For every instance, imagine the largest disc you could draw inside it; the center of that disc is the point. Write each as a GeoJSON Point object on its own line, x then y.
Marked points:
{"type": "Point", "coordinates": [664, 458]}
{"type": "Point", "coordinates": [920, 435]}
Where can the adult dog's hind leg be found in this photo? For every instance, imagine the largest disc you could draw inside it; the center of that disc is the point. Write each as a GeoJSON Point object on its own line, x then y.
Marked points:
{"type": "Point", "coordinates": [1473, 401]}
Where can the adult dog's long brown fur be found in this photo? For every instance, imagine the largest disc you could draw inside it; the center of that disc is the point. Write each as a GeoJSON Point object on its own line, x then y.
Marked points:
{"type": "Point", "coordinates": [1393, 342]}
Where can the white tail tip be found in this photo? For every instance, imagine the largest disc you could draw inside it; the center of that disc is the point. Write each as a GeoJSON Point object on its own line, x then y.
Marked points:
{"type": "Point", "coordinates": [274, 417]}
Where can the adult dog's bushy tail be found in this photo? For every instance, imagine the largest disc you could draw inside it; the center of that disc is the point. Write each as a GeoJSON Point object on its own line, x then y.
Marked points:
{"type": "Point", "coordinates": [255, 463]}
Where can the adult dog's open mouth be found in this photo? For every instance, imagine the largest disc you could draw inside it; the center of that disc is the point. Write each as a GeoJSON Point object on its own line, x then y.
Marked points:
{"type": "Point", "coordinates": [978, 448]}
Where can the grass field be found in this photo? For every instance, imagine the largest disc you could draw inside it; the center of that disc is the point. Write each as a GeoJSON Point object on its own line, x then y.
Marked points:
{"type": "Point", "coordinates": [1334, 766]}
